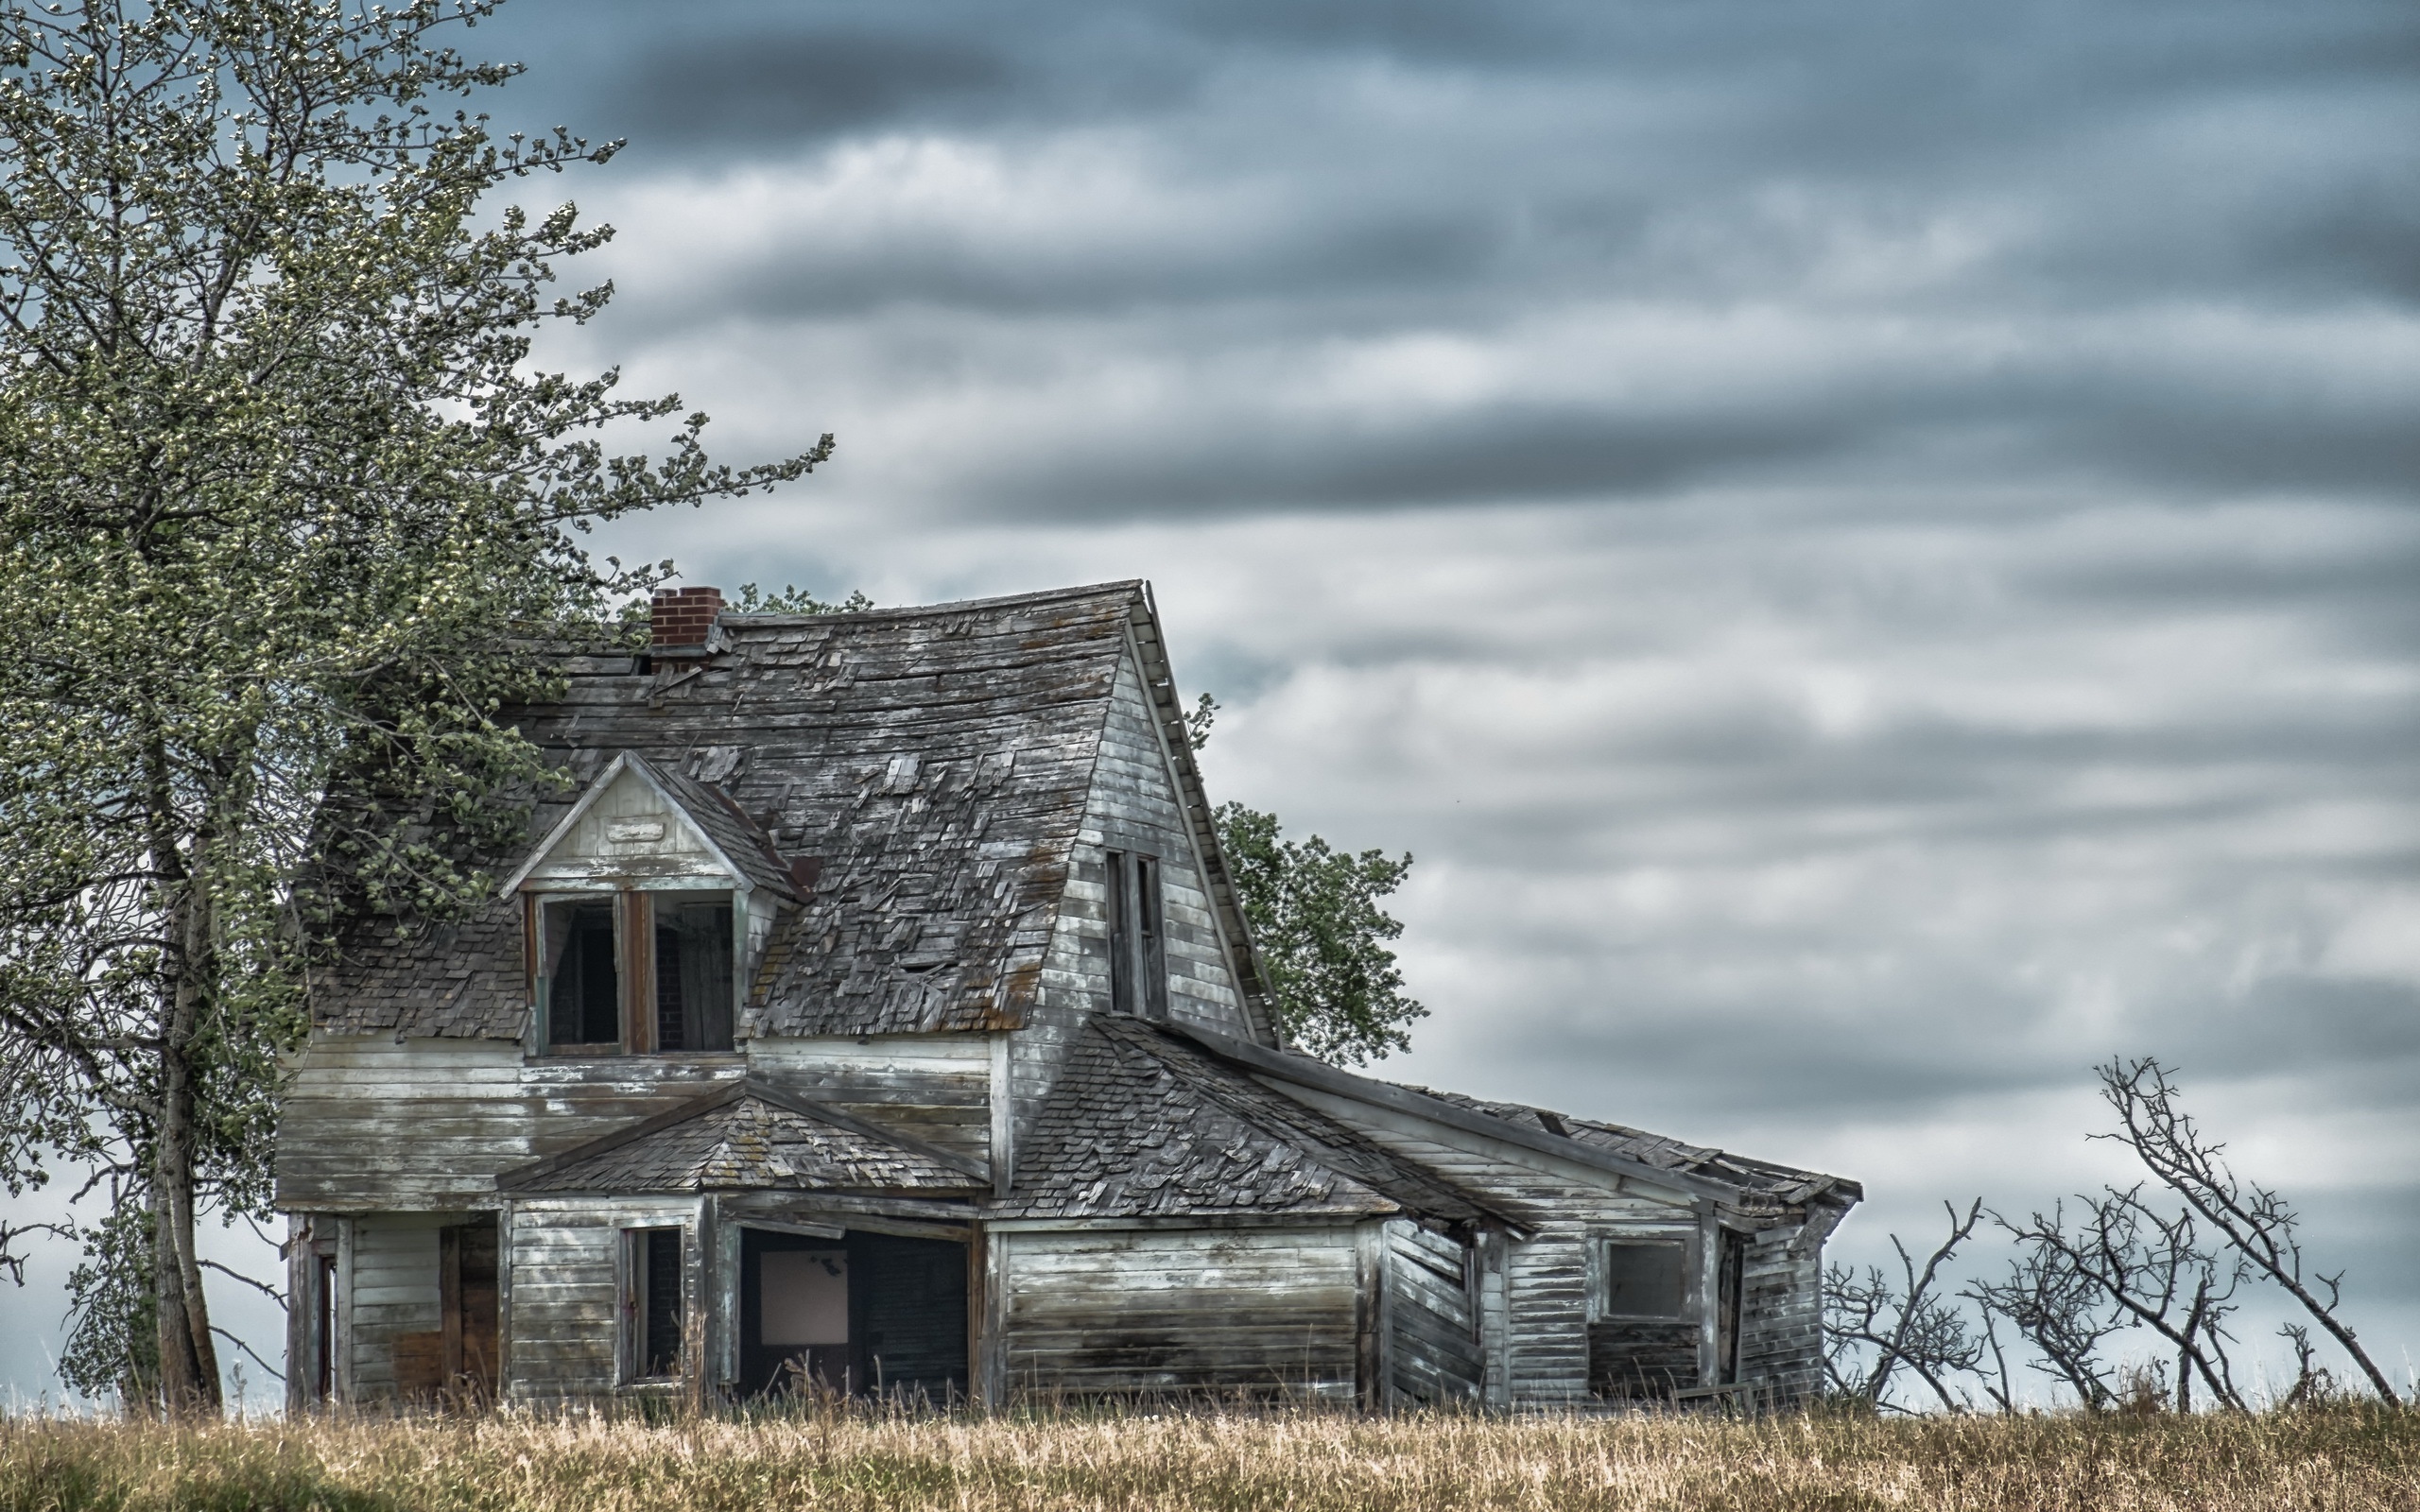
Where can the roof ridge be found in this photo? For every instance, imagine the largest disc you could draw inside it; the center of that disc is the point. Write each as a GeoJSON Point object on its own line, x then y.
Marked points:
{"type": "Point", "coordinates": [736, 619]}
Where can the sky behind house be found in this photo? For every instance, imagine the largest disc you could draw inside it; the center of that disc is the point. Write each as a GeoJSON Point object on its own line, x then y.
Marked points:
{"type": "Point", "coordinates": [1868, 549]}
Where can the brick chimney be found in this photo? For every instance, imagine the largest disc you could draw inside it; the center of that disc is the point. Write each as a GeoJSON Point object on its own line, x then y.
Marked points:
{"type": "Point", "coordinates": [682, 621]}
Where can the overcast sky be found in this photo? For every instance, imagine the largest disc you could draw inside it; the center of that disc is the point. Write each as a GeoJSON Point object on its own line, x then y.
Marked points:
{"type": "Point", "coordinates": [1868, 549]}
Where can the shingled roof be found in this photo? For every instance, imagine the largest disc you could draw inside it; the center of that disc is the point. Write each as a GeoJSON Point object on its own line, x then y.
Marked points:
{"type": "Point", "coordinates": [1690, 1168]}
{"type": "Point", "coordinates": [932, 761]}
{"type": "Point", "coordinates": [750, 1137]}
{"type": "Point", "coordinates": [1142, 1124]}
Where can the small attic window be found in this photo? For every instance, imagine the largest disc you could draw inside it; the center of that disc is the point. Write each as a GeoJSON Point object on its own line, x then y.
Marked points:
{"type": "Point", "coordinates": [635, 970]}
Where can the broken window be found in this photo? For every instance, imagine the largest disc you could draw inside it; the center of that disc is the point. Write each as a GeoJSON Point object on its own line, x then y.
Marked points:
{"type": "Point", "coordinates": [652, 1304]}
{"type": "Point", "coordinates": [1138, 970]}
{"type": "Point", "coordinates": [1645, 1279]}
{"type": "Point", "coordinates": [693, 969]}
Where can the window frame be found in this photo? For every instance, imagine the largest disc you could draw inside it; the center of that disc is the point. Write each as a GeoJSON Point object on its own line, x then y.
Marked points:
{"type": "Point", "coordinates": [1690, 1308]}
{"type": "Point", "coordinates": [636, 989]}
{"type": "Point", "coordinates": [1136, 907]}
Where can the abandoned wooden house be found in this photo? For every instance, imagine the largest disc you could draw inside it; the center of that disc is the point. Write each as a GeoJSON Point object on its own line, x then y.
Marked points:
{"type": "Point", "coordinates": [874, 1011]}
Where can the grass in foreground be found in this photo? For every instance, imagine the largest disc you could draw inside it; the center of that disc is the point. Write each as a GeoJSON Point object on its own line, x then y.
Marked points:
{"type": "Point", "coordinates": [2349, 1458]}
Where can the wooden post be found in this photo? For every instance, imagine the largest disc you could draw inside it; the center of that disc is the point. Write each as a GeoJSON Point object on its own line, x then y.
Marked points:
{"type": "Point", "coordinates": [504, 1300]}
{"type": "Point", "coordinates": [449, 1300]}
{"type": "Point", "coordinates": [1374, 1317]}
{"type": "Point", "coordinates": [346, 1244]}
{"type": "Point", "coordinates": [302, 1270]}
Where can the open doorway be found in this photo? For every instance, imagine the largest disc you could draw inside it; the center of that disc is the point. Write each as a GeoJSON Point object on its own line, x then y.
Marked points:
{"type": "Point", "coordinates": [864, 1313]}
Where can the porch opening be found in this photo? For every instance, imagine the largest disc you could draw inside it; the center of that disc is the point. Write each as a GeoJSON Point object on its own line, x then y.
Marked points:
{"type": "Point", "coordinates": [863, 1314]}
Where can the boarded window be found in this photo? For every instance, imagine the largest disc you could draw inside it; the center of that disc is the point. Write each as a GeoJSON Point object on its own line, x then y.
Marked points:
{"type": "Point", "coordinates": [693, 969]}
{"type": "Point", "coordinates": [1645, 1279]}
{"type": "Point", "coordinates": [651, 1311]}
{"type": "Point", "coordinates": [579, 969]}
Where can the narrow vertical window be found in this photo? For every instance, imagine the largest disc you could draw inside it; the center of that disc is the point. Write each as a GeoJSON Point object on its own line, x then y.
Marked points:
{"type": "Point", "coordinates": [1121, 931]}
{"type": "Point", "coordinates": [651, 1302]}
{"type": "Point", "coordinates": [1154, 928]}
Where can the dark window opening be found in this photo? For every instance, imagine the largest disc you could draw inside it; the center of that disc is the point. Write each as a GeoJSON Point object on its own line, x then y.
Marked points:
{"type": "Point", "coordinates": [582, 977]}
{"type": "Point", "coordinates": [654, 1302]}
{"type": "Point", "coordinates": [1138, 970]}
{"type": "Point", "coordinates": [1646, 1281]}
{"type": "Point", "coordinates": [1154, 928]}
{"type": "Point", "coordinates": [693, 970]}
{"type": "Point", "coordinates": [324, 1366]}
{"type": "Point", "coordinates": [863, 1314]}
{"type": "Point", "coordinates": [1121, 937]}
{"type": "Point", "coordinates": [1732, 1284]}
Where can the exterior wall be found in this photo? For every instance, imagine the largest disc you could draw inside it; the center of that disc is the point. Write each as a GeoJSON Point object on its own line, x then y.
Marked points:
{"type": "Point", "coordinates": [1133, 806]}
{"type": "Point", "coordinates": [1086, 1311]}
{"type": "Point", "coordinates": [390, 1290]}
{"type": "Point", "coordinates": [562, 1263]}
{"type": "Point", "coordinates": [932, 1087]}
{"type": "Point", "coordinates": [1544, 1279]}
{"type": "Point", "coordinates": [1433, 1350]}
{"type": "Point", "coordinates": [372, 1125]}
{"type": "Point", "coordinates": [1781, 1310]}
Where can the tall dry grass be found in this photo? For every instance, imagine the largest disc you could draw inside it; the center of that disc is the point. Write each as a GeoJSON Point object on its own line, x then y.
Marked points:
{"type": "Point", "coordinates": [2335, 1458]}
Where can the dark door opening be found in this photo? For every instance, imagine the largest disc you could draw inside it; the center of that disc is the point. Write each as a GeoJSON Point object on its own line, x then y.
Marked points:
{"type": "Point", "coordinates": [863, 1314]}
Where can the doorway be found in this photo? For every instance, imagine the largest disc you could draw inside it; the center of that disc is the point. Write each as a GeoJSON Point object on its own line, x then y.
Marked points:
{"type": "Point", "coordinates": [863, 1314]}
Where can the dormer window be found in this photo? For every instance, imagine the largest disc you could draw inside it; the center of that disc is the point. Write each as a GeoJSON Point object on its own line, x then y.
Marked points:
{"type": "Point", "coordinates": [643, 906]}
{"type": "Point", "coordinates": [635, 971]}
{"type": "Point", "coordinates": [693, 977]}
{"type": "Point", "coordinates": [580, 992]}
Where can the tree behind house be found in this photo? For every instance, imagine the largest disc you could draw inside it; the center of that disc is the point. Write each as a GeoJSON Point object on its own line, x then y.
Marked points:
{"type": "Point", "coordinates": [276, 493]}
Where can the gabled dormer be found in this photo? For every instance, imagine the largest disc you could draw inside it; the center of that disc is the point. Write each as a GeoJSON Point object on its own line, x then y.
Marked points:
{"type": "Point", "coordinates": [644, 910]}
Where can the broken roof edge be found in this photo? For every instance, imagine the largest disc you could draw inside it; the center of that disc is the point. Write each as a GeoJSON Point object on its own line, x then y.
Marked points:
{"type": "Point", "coordinates": [1134, 586]}
{"type": "Point", "coordinates": [606, 1143]}
{"type": "Point", "coordinates": [1303, 1071]}
{"type": "Point", "coordinates": [1150, 644]}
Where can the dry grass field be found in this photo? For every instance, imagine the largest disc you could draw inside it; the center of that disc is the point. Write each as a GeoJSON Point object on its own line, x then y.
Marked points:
{"type": "Point", "coordinates": [2338, 1458]}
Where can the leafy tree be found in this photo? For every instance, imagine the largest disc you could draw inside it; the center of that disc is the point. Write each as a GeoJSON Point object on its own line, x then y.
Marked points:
{"type": "Point", "coordinates": [1316, 914]}
{"type": "Point", "coordinates": [278, 492]}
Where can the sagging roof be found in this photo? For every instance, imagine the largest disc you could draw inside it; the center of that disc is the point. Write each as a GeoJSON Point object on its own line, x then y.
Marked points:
{"type": "Point", "coordinates": [749, 1136]}
{"type": "Point", "coordinates": [1142, 1124]}
{"type": "Point", "coordinates": [1692, 1169]}
{"type": "Point", "coordinates": [931, 762]}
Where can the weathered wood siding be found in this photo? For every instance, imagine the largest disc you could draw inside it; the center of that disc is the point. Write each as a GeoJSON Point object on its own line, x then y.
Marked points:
{"type": "Point", "coordinates": [1781, 1310]}
{"type": "Point", "coordinates": [372, 1125]}
{"type": "Point", "coordinates": [395, 1305]}
{"type": "Point", "coordinates": [932, 1087]}
{"type": "Point", "coordinates": [1179, 1311]}
{"type": "Point", "coordinates": [1545, 1278]}
{"type": "Point", "coordinates": [564, 1258]}
{"type": "Point", "coordinates": [1132, 805]}
{"type": "Point", "coordinates": [631, 833]}
{"type": "Point", "coordinates": [1432, 1317]}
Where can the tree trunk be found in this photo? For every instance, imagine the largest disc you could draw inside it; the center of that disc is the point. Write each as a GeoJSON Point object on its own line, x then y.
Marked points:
{"type": "Point", "coordinates": [188, 1355]}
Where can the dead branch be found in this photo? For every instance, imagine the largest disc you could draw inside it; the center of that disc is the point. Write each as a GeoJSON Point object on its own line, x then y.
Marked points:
{"type": "Point", "coordinates": [2258, 1223]}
